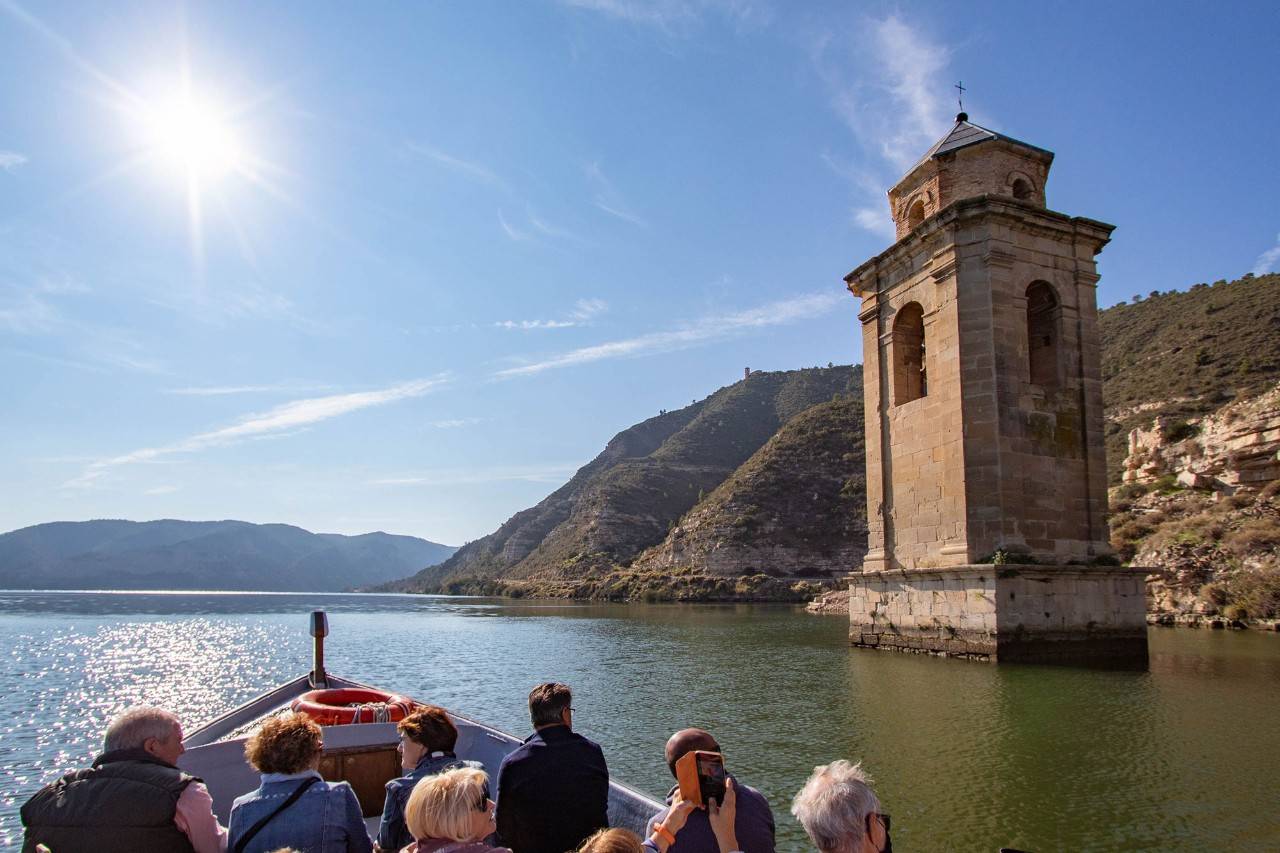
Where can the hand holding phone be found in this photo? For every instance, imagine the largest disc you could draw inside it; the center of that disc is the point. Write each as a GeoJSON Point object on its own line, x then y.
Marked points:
{"type": "Point", "coordinates": [701, 777]}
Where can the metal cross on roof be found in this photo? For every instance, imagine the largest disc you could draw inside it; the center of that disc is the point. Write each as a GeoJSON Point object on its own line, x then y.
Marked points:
{"type": "Point", "coordinates": [960, 98]}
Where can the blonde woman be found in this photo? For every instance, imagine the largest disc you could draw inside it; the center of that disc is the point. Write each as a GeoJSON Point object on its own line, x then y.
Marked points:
{"type": "Point", "coordinates": [451, 813]}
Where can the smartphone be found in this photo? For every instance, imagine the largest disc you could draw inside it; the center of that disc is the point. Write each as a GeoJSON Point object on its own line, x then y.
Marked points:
{"type": "Point", "coordinates": [700, 775]}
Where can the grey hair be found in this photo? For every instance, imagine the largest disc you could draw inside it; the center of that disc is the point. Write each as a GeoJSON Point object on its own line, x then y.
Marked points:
{"type": "Point", "coordinates": [132, 727]}
{"type": "Point", "coordinates": [833, 806]}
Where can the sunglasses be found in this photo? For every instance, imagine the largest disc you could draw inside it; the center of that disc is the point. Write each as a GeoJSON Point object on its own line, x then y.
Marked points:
{"type": "Point", "coordinates": [884, 821]}
{"type": "Point", "coordinates": [483, 805]}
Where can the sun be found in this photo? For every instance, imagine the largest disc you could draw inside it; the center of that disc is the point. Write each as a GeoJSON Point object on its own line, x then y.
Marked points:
{"type": "Point", "coordinates": [194, 138]}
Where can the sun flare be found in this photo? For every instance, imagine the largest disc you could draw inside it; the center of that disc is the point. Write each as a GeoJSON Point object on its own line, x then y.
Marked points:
{"type": "Point", "coordinates": [193, 138]}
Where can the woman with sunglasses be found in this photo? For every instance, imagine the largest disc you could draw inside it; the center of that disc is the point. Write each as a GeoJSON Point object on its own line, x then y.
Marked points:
{"type": "Point", "coordinates": [451, 813]}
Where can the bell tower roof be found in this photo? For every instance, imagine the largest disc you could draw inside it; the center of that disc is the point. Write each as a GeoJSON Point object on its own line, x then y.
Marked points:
{"type": "Point", "coordinates": [969, 160]}
{"type": "Point", "coordinates": [966, 133]}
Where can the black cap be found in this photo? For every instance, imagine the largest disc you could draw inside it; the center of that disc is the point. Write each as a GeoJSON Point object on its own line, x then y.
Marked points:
{"type": "Point", "coordinates": [962, 116]}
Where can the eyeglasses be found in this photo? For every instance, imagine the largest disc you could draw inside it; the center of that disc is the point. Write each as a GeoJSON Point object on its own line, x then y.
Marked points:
{"type": "Point", "coordinates": [887, 847]}
{"type": "Point", "coordinates": [483, 805]}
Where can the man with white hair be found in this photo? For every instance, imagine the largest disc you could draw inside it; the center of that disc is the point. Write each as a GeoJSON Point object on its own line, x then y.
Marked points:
{"type": "Point", "coordinates": [840, 812]}
{"type": "Point", "coordinates": [133, 797]}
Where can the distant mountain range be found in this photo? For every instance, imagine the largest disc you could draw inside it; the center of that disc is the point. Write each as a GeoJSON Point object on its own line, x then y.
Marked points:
{"type": "Point", "coordinates": [221, 555]}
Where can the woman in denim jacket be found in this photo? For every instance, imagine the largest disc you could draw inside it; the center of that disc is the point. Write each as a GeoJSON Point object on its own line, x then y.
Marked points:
{"type": "Point", "coordinates": [427, 739]}
{"type": "Point", "coordinates": [325, 818]}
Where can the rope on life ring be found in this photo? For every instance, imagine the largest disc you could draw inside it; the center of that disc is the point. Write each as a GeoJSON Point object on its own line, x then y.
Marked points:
{"type": "Point", "coordinates": [349, 705]}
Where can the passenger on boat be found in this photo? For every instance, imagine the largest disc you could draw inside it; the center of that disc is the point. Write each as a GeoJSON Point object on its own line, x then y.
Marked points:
{"type": "Point", "coordinates": [840, 812]}
{"type": "Point", "coordinates": [294, 806]}
{"type": "Point", "coordinates": [753, 819]}
{"type": "Point", "coordinates": [427, 738]}
{"type": "Point", "coordinates": [133, 797]}
{"type": "Point", "coordinates": [451, 812]}
{"type": "Point", "coordinates": [553, 790]}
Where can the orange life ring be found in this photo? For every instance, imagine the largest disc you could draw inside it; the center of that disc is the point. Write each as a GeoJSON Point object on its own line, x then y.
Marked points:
{"type": "Point", "coordinates": [350, 705]}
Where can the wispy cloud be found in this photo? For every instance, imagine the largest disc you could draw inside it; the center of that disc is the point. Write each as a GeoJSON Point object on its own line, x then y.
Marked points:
{"type": "Point", "coordinates": [704, 331]}
{"type": "Point", "coordinates": [11, 160]}
{"type": "Point", "coordinates": [281, 420]}
{"type": "Point", "coordinates": [554, 473]}
{"type": "Point", "coordinates": [533, 227]}
{"type": "Point", "coordinates": [679, 17]}
{"type": "Point", "coordinates": [475, 171]}
{"type": "Point", "coordinates": [161, 490]}
{"type": "Point", "coordinates": [583, 311]}
{"type": "Point", "coordinates": [885, 83]}
{"type": "Point", "coordinates": [512, 232]}
{"type": "Point", "coordinates": [228, 390]}
{"type": "Point", "coordinates": [456, 423]}
{"type": "Point", "coordinates": [230, 304]}
{"type": "Point", "coordinates": [607, 197]}
{"type": "Point", "coordinates": [1268, 261]}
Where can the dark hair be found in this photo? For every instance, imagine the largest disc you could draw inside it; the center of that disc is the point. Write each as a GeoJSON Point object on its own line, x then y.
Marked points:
{"type": "Point", "coordinates": [430, 726]}
{"type": "Point", "coordinates": [547, 702]}
{"type": "Point", "coordinates": [286, 744]}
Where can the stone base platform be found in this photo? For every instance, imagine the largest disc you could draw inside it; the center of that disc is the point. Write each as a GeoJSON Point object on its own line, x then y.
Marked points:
{"type": "Point", "coordinates": [1072, 615]}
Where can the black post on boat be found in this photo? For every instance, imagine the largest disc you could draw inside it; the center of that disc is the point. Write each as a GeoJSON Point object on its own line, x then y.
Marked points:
{"type": "Point", "coordinates": [319, 630]}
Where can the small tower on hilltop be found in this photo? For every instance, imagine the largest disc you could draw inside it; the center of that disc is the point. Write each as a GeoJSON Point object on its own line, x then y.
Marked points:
{"type": "Point", "coordinates": [986, 467]}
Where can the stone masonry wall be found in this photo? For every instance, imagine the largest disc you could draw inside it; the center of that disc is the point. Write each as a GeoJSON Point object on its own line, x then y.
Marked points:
{"type": "Point", "coordinates": [1006, 612]}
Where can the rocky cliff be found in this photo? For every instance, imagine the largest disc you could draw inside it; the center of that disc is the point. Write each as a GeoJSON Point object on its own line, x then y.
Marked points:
{"type": "Point", "coordinates": [1201, 505]}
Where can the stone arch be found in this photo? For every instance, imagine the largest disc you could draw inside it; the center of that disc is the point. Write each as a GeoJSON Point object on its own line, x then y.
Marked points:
{"type": "Point", "coordinates": [1044, 315]}
{"type": "Point", "coordinates": [915, 213]}
{"type": "Point", "coordinates": [1021, 187]}
{"type": "Point", "coordinates": [910, 381]}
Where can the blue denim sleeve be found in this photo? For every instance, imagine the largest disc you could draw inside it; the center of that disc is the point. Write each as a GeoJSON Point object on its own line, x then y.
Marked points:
{"type": "Point", "coordinates": [392, 824]}
{"type": "Point", "coordinates": [357, 835]}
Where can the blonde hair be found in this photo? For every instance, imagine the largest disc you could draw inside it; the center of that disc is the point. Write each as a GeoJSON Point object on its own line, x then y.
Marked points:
{"type": "Point", "coordinates": [441, 806]}
{"type": "Point", "coordinates": [613, 841]}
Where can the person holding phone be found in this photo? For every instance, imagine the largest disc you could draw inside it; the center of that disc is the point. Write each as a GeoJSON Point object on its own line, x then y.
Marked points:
{"type": "Point", "coordinates": [743, 819]}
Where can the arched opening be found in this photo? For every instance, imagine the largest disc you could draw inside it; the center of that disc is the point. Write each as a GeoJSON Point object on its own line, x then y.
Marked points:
{"type": "Point", "coordinates": [915, 214]}
{"type": "Point", "coordinates": [1042, 334]}
{"type": "Point", "coordinates": [1022, 189]}
{"type": "Point", "coordinates": [909, 379]}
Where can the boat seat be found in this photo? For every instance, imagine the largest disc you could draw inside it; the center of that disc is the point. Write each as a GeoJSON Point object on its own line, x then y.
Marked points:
{"type": "Point", "coordinates": [367, 769]}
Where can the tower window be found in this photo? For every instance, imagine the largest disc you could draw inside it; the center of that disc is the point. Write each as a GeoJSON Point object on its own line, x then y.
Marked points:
{"type": "Point", "coordinates": [1022, 189]}
{"type": "Point", "coordinates": [1042, 334]}
{"type": "Point", "coordinates": [909, 379]}
{"type": "Point", "coordinates": [915, 214]}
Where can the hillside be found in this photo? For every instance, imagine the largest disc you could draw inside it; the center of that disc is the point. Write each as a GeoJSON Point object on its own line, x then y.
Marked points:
{"type": "Point", "coordinates": [170, 554]}
{"type": "Point", "coordinates": [1186, 354]}
{"type": "Point", "coordinates": [629, 497]}
{"type": "Point", "coordinates": [796, 507]}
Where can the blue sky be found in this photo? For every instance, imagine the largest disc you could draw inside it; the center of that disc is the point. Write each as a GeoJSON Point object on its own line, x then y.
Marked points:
{"type": "Point", "coordinates": [407, 268]}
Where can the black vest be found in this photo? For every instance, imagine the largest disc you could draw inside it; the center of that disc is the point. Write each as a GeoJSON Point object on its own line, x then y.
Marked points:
{"type": "Point", "coordinates": [124, 803]}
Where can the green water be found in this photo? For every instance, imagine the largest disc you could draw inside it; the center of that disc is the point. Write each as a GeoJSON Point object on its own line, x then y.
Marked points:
{"type": "Point", "coordinates": [966, 756]}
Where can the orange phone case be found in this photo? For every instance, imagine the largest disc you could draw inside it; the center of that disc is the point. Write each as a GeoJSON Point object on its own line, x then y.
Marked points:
{"type": "Point", "coordinates": [687, 776]}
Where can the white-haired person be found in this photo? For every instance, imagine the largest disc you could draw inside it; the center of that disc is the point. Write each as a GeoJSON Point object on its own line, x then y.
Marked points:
{"type": "Point", "coordinates": [451, 812]}
{"type": "Point", "coordinates": [840, 812]}
{"type": "Point", "coordinates": [133, 797]}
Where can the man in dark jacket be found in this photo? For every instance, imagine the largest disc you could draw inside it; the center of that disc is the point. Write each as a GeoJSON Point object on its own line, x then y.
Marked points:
{"type": "Point", "coordinates": [553, 790]}
{"type": "Point", "coordinates": [132, 798]}
{"type": "Point", "coordinates": [753, 821]}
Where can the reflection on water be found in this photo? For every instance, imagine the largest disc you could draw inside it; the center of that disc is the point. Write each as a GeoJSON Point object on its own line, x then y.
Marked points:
{"type": "Point", "coordinates": [966, 756]}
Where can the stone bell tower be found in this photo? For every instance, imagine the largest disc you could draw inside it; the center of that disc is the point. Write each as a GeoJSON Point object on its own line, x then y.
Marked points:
{"type": "Point", "coordinates": [986, 468]}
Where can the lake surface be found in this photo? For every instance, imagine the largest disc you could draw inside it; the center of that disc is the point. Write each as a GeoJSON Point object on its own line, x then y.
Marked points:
{"type": "Point", "coordinates": [966, 756]}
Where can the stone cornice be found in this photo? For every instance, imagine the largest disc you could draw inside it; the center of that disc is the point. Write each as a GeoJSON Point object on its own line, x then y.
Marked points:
{"type": "Point", "coordinates": [1021, 216]}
